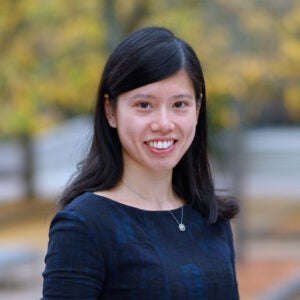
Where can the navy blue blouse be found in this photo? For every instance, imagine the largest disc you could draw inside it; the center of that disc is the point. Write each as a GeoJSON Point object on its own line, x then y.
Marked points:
{"type": "Point", "coordinates": [101, 249]}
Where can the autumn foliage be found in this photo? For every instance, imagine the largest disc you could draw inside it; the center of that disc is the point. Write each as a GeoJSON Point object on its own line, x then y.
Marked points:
{"type": "Point", "coordinates": [52, 54]}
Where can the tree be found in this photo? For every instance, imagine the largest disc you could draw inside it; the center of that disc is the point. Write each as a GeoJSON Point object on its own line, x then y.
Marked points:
{"type": "Point", "coordinates": [249, 51]}
{"type": "Point", "coordinates": [52, 55]}
{"type": "Point", "coordinates": [49, 51]}
{"type": "Point", "coordinates": [48, 56]}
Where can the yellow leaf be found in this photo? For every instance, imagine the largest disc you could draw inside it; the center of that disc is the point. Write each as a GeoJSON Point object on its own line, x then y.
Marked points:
{"type": "Point", "coordinates": [292, 101]}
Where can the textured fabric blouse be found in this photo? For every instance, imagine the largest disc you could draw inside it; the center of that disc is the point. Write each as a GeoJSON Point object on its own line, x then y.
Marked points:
{"type": "Point", "coordinates": [101, 249]}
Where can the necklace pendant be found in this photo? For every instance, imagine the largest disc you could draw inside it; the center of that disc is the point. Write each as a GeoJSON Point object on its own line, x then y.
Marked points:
{"type": "Point", "coordinates": [181, 227]}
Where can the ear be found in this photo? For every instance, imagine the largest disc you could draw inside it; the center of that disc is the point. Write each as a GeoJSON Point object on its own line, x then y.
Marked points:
{"type": "Point", "coordinates": [109, 112]}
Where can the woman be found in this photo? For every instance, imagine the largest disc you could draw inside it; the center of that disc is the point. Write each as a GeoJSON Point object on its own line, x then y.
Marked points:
{"type": "Point", "coordinates": [141, 219]}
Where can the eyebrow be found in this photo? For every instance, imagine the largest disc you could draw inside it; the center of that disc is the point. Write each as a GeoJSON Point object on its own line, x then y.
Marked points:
{"type": "Point", "coordinates": [141, 95]}
{"type": "Point", "coordinates": [183, 96]}
{"type": "Point", "coordinates": [147, 96]}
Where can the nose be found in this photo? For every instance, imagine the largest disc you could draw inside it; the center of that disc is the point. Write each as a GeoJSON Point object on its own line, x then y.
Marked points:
{"type": "Point", "coordinates": [162, 122]}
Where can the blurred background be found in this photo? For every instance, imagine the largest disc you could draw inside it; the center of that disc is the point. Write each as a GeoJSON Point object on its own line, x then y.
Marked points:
{"type": "Point", "coordinates": [51, 58]}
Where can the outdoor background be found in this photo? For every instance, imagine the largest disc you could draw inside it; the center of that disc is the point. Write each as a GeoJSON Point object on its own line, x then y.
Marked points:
{"type": "Point", "coordinates": [52, 53]}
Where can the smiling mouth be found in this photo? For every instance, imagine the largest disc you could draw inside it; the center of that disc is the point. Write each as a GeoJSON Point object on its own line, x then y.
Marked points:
{"type": "Point", "coordinates": [161, 145]}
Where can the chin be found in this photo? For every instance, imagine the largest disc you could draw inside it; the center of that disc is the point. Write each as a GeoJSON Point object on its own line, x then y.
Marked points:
{"type": "Point", "coordinates": [163, 167]}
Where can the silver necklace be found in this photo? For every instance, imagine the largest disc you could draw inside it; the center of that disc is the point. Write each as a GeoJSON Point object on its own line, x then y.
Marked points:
{"type": "Point", "coordinates": [181, 226]}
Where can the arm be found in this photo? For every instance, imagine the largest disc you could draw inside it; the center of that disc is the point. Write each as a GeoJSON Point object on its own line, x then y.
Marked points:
{"type": "Point", "coordinates": [74, 262]}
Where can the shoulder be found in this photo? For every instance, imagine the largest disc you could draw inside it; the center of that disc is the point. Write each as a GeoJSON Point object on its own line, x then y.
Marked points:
{"type": "Point", "coordinates": [225, 224]}
{"type": "Point", "coordinates": [84, 212]}
{"type": "Point", "coordinates": [222, 227]}
{"type": "Point", "coordinates": [89, 206]}
{"type": "Point", "coordinates": [74, 261]}
{"type": "Point", "coordinates": [85, 201]}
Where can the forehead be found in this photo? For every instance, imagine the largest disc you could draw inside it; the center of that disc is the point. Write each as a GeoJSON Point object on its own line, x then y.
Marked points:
{"type": "Point", "coordinates": [178, 84]}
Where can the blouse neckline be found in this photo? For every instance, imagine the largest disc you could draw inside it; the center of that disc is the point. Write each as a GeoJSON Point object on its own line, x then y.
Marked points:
{"type": "Point", "coordinates": [137, 209]}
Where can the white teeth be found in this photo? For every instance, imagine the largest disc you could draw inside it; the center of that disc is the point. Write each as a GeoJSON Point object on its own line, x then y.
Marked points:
{"type": "Point", "coordinates": [161, 144]}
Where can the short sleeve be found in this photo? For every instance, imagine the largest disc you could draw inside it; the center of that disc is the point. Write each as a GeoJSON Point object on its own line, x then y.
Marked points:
{"type": "Point", "coordinates": [74, 262]}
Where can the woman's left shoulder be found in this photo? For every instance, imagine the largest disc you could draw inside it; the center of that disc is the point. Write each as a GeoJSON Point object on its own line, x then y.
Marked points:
{"type": "Point", "coordinates": [224, 225]}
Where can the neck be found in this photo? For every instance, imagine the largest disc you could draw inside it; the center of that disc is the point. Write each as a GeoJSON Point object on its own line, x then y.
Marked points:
{"type": "Point", "coordinates": [153, 191]}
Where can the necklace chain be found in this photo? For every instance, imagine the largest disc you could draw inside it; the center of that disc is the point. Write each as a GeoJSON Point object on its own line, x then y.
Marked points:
{"type": "Point", "coordinates": [181, 226]}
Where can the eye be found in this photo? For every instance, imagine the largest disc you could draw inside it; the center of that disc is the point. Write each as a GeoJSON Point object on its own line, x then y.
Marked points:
{"type": "Point", "coordinates": [144, 105]}
{"type": "Point", "coordinates": [180, 104]}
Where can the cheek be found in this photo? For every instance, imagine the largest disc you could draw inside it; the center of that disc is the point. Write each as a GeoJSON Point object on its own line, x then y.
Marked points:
{"type": "Point", "coordinates": [190, 131]}
{"type": "Point", "coordinates": [129, 130]}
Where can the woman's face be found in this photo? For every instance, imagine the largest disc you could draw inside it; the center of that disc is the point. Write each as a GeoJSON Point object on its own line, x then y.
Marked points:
{"type": "Point", "coordinates": [156, 123]}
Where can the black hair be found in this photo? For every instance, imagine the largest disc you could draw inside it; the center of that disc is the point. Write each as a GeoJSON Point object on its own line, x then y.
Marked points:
{"type": "Point", "coordinates": [148, 55]}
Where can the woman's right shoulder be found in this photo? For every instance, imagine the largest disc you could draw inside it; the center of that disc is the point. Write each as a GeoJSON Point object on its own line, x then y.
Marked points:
{"type": "Point", "coordinates": [86, 201]}
{"type": "Point", "coordinates": [87, 209]}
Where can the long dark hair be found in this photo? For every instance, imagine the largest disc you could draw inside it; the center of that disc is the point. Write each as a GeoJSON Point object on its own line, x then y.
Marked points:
{"type": "Point", "coordinates": [148, 55]}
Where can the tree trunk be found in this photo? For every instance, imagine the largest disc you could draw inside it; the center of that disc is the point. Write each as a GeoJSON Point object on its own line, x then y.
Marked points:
{"type": "Point", "coordinates": [117, 30]}
{"type": "Point", "coordinates": [114, 29]}
{"type": "Point", "coordinates": [27, 171]}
